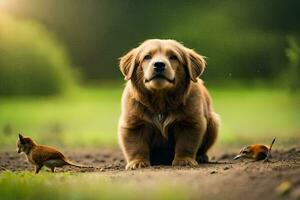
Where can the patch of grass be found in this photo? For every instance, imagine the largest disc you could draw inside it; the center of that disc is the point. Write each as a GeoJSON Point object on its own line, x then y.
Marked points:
{"type": "Point", "coordinates": [88, 117]}
{"type": "Point", "coordinates": [257, 115]}
{"type": "Point", "coordinates": [80, 186]}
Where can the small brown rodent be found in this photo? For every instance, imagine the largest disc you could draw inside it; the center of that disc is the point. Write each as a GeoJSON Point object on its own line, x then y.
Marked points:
{"type": "Point", "coordinates": [256, 152]}
{"type": "Point", "coordinates": [40, 155]}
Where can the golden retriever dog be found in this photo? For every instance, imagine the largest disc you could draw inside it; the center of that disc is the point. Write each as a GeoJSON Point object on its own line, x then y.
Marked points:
{"type": "Point", "coordinates": [167, 116]}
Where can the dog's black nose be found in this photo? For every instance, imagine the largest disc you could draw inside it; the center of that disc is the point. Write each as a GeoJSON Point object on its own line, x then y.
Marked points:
{"type": "Point", "coordinates": [159, 67]}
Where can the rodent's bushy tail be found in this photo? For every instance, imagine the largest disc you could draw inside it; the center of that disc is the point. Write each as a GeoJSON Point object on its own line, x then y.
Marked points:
{"type": "Point", "coordinates": [68, 162]}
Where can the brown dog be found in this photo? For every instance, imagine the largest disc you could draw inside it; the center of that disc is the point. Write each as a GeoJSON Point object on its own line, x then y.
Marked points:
{"type": "Point", "coordinates": [167, 116]}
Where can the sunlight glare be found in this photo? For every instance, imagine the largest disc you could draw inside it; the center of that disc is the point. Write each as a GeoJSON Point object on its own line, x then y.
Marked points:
{"type": "Point", "coordinates": [5, 4]}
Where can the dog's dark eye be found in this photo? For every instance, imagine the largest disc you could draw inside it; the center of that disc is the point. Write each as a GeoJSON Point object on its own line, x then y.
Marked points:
{"type": "Point", "coordinates": [147, 57]}
{"type": "Point", "coordinates": [173, 57]}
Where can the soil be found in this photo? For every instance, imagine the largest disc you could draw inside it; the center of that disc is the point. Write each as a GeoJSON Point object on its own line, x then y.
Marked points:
{"type": "Point", "coordinates": [222, 179]}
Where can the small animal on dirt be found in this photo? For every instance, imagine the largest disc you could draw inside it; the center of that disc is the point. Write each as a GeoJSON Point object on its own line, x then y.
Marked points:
{"type": "Point", "coordinates": [40, 155]}
{"type": "Point", "coordinates": [256, 152]}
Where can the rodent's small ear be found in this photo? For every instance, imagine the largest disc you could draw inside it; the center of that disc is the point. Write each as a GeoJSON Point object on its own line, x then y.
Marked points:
{"type": "Point", "coordinates": [195, 64]}
{"type": "Point", "coordinates": [21, 138]}
{"type": "Point", "coordinates": [127, 64]}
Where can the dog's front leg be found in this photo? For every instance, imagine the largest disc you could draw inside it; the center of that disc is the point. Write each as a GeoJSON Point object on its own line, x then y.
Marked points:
{"type": "Point", "coordinates": [135, 146]}
{"type": "Point", "coordinates": [187, 141]}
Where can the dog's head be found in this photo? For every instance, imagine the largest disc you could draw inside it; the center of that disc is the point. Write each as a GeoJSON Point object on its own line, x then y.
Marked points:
{"type": "Point", "coordinates": [162, 64]}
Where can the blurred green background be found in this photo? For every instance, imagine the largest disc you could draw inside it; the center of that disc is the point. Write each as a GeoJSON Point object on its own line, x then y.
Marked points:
{"type": "Point", "coordinates": [60, 81]}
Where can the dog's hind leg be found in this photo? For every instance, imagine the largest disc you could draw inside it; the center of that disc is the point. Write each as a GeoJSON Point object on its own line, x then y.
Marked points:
{"type": "Point", "coordinates": [209, 138]}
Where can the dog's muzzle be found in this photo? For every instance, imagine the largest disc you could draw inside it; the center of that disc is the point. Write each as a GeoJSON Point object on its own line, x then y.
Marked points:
{"type": "Point", "coordinates": [160, 76]}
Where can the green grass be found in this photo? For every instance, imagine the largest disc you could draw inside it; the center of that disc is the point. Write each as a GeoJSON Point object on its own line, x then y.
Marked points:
{"type": "Point", "coordinates": [88, 117]}
{"type": "Point", "coordinates": [257, 115]}
{"type": "Point", "coordinates": [86, 186]}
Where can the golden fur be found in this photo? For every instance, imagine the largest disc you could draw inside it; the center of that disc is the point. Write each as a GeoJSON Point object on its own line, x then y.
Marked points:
{"type": "Point", "coordinates": [167, 117]}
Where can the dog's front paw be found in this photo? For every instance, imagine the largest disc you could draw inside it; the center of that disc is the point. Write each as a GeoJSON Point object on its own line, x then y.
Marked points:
{"type": "Point", "coordinates": [186, 161]}
{"type": "Point", "coordinates": [136, 164]}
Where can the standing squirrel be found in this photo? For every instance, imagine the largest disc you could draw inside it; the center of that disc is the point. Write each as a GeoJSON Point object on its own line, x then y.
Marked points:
{"type": "Point", "coordinates": [40, 155]}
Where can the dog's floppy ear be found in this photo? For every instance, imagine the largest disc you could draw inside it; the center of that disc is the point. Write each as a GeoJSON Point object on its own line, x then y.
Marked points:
{"type": "Point", "coordinates": [127, 64]}
{"type": "Point", "coordinates": [195, 64]}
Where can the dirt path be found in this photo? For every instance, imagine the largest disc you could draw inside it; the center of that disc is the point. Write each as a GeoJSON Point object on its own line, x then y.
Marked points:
{"type": "Point", "coordinates": [278, 179]}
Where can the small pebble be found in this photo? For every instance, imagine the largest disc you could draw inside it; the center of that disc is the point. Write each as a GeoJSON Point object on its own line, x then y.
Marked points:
{"type": "Point", "coordinates": [284, 188]}
{"type": "Point", "coordinates": [102, 169]}
{"type": "Point", "coordinates": [87, 156]}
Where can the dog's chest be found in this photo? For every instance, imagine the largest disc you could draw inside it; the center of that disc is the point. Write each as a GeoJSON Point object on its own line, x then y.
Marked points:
{"type": "Point", "coordinates": [162, 121]}
{"type": "Point", "coordinates": [161, 117]}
